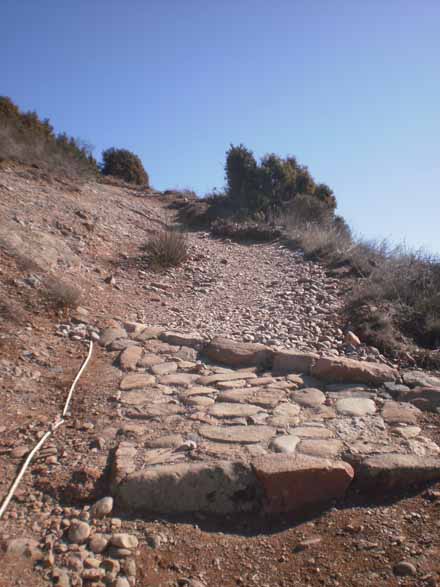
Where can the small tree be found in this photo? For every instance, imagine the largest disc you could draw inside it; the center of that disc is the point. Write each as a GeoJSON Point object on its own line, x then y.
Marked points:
{"type": "Point", "coordinates": [125, 165]}
{"type": "Point", "coordinates": [242, 177]}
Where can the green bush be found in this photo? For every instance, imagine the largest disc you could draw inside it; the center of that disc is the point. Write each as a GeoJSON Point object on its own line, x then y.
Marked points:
{"type": "Point", "coordinates": [125, 165]}
{"type": "Point", "coordinates": [27, 139]}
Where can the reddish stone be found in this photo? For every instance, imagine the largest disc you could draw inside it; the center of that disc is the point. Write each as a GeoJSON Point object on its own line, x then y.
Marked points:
{"type": "Point", "coordinates": [291, 482]}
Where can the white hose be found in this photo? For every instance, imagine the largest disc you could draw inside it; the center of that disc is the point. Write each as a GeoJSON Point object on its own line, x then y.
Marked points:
{"type": "Point", "coordinates": [42, 440]}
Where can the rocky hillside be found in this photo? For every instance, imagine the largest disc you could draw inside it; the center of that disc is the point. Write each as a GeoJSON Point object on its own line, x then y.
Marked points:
{"type": "Point", "coordinates": [229, 427]}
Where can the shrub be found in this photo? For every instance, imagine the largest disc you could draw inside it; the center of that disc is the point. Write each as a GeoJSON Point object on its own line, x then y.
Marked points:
{"type": "Point", "coordinates": [27, 139]}
{"type": "Point", "coordinates": [125, 165]}
{"type": "Point", "coordinates": [62, 295]}
{"type": "Point", "coordinates": [245, 232]}
{"type": "Point", "coordinates": [166, 248]}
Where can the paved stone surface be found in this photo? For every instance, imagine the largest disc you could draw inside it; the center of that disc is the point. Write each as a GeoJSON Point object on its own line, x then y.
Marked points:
{"type": "Point", "coordinates": [190, 411]}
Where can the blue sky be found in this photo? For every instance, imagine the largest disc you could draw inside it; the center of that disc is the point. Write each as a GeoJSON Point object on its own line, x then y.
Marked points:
{"type": "Point", "coordinates": [350, 87]}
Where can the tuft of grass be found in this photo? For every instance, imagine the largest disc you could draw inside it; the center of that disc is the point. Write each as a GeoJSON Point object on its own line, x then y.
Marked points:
{"type": "Point", "coordinates": [166, 248]}
{"type": "Point", "coordinates": [62, 295]}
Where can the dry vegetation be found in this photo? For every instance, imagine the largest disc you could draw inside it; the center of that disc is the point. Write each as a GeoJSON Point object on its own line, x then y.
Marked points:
{"type": "Point", "coordinates": [166, 248]}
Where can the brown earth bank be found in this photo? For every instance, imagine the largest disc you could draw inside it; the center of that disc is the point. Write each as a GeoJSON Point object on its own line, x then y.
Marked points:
{"type": "Point", "coordinates": [90, 236]}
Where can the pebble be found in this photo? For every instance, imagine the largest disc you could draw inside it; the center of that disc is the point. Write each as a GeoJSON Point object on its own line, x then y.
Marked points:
{"type": "Point", "coordinates": [102, 508]}
{"type": "Point", "coordinates": [78, 532]}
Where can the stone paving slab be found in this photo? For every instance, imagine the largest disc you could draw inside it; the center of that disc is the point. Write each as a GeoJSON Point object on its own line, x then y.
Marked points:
{"type": "Point", "coordinates": [279, 441]}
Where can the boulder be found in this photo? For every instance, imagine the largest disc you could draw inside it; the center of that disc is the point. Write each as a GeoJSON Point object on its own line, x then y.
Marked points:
{"type": "Point", "coordinates": [293, 362]}
{"type": "Point", "coordinates": [420, 379]}
{"type": "Point", "coordinates": [108, 335]}
{"type": "Point", "coordinates": [220, 487]}
{"type": "Point", "coordinates": [342, 370]}
{"type": "Point", "coordinates": [238, 354]}
{"type": "Point", "coordinates": [291, 482]}
{"type": "Point", "coordinates": [394, 471]}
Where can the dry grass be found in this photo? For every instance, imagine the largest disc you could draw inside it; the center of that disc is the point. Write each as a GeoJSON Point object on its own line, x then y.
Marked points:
{"type": "Point", "coordinates": [62, 295]}
{"type": "Point", "coordinates": [166, 248]}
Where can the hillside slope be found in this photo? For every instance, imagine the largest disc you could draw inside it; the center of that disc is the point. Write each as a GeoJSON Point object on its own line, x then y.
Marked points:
{"type": "Point", "coordinates": [57, 237]}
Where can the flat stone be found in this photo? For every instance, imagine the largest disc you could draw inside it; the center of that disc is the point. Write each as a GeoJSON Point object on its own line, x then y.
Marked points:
{"type": "Point", "coordinates": [130, 357]}
{"type": "Point", "coordinates": [149, 333]}
{"type": "Point", "coordinates": [293, 482]}
{"type": "Point", "coordinates": [230, 410]}
{"type": "Point", "coordinates": [326, 449]}
{"type": "Point", "coordinates": [407, 431]}
{"type": "Point", "coordinates": [400, 413]}
{"type": "Point", "coordinates": [351, 406]}
{"type": "Point", "coordinates": [149, 360]}
{"type": "Point", "coordinates": [191, 340]}
{"type": "Point", "coordinates": [287, 409]}
{"type": "Point", "coordinates": [121, 343]}
{"type": "Point", "coordinates": [221, 487]}
{"type": "Point", "coordinates": [396, 471]}
{"type": "Point", "coordinates": [179, 379]}
{"type": "Point", "coordinates": [262, 381]}
{"type": "Point", "coordinates": [108, 335]}
{"type": "Point", "coordinates": [231, 384]}
{"type": "Point", "coordinates": [221, 377]}
{"type": "Point", "coordinates": [308, 397]}
{"type": "Point", "coordinates": [186, 354]}
{"type": "Point", "coordinates": [98, 543]}
{"type": "Point", "coordinates": [420, 379]}
{"type": "Point", "coordinates": [236, 396]}
{"type": "Point", "coordinates": [199, 400]}
{"type": "Point", "coordinates": [293, 361]}
{"type": "Point", "coordinates": [134, 328]}
{"type": "Point", "coordinates": [156, 411]}
{"type": "Point", "coordinates": [343, 370]}
{"type": "Point", "coordinates": [164, 368]}
{"type": "Point", "coordinates": [312, 432]}
{"type": "Point", "coordinates": [425, 398]}
{"type": "Point", "coordinates": [198, 390]}
{"type": "Point", "coordinates": [285, 444]}
{"type": "Point", "coordinates": [170, 441]}
{"type": "Point", "coordinates": [135, 398]}
{"type": "Point", "coordinates": [241, 434]}
{"type": "Point", "coordinates": [237, 354]}
{"type": "Point", "coordinates": [136, 381]}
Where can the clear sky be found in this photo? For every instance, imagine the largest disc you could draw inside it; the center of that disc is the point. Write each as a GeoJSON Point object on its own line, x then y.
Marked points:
{"type": "Point", "coordinates": [350, 87]}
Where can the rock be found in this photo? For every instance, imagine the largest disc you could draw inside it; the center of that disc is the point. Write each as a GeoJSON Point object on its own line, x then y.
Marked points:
{"type": "Point", "coordinates": [149, 360]}
{"type": "Point", "coordinates": [407, 431]}
{"type": "Point", "coordinates": [98, 543]}
{"type": "Point", "coordinates": [420, 379]}
{"type": "Point", "coordinates": [164, 369]}
{"type": "Point", "coordinates": [170, 441]}
{"type": "Point", "coordinates": [111, 566]}
{"type": "Point", "coordinates": [305, 544]}
{"type": "Point", "coordinates": [312, 432]}
{"type": "Point", "coordinates": [233, 410]}
{"type": "Point", "coordinates": [237, 354]}
{"type": "Point", "coordinates": [221, 377]}
{"type": "Point", "coordinates": [286, 444]}
{"type": "Point", "coordinates": [194, 340]}
{"type": "Point", "coordinates": [135, 398]}
{"type": "Point", "coordinates": [108, 335]}
{"type": "Point", "coordinates": [121, 582]}
{"type": "Point", "coordinates": [395, 471]}
{"type": "Point", "coordinates": [198, 400]}
{"type": "Point", "coordinates": [355, 406]}
{"type": "Point", "coordinates": [424, 398]}
{"type": "Point", "coordinates": [291, 483]}
{"type": "Point", "coordinates": [293, 362]}
{"type": "Point", "coordinates": [178, 379]}
{"type": "Point", "coordinates": [134, 328]}
{"type": "Point", "coordinates": [325, 449]}
{"type": "Point", "coordinates": [136, 381]}
{"type": "Point", "coordinates": [400, 413]}
{"type": "Point", "coordinates": [123, 540]}
{"type": "Point", "coordinates": [287, 410]}
{"type": "Point", "coordinates": [78, 532]}
{"type": "Point", "coordinates": [149, 333]}
{"type": "Point", "coordinates": [219, 487]}
{"type": "Point", "coordinates": [24, 547]}
{"type": "Point", "coordinates": [129, 566]}
{"type": "Point", "coordinates": [60, 578]}
{"type": "Point", "coordinates": [121, 344]}
{"type": "Point", "coordinates": [130, 357]}
{"type": "Point", "coordinates": [351, 338]}
{"type": "Point", "coordinates": [308, 397]}
{"type": "Point", "coordinates": [102, 508]}
{"type": "Point", "coordinates": [404, 569]}
{"type": "Point", "coordinates": [239, 434]}
{"type": "Point", "coordinates": [19, 452]}
{"type": "Point", "coordinates": [342, 370]}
